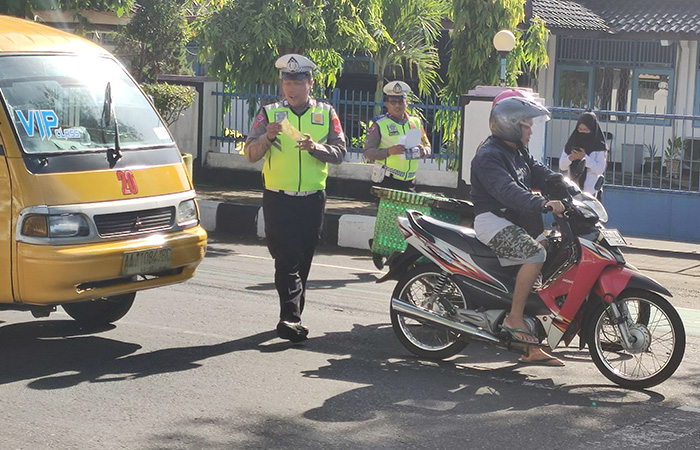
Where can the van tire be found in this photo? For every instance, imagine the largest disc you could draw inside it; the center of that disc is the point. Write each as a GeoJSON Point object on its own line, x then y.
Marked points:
{"type": "Point", "coordinates": [100, 311]}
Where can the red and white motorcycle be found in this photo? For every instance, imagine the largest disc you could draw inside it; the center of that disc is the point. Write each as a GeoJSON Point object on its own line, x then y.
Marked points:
{"type": "Point", "coordinates": [451, 290]}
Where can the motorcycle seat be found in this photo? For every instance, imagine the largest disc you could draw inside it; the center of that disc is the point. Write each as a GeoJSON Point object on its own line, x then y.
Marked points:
{"type": "Point", "coordinates": [461, 237]}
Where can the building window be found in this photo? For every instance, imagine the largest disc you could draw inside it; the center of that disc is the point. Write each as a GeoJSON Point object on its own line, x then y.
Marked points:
{"type": "Point", "coordinates": [615, 75]}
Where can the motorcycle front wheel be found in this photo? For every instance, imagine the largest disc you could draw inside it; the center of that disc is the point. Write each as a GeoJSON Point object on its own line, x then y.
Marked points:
{"type": "Point", "coordinates": [418, 287]}
{"type": "Point", "coordinates": [658, 339]}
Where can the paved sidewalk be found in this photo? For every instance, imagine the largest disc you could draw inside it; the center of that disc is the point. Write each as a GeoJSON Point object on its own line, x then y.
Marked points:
{"type": "Point", "coordinates": [350, 221]}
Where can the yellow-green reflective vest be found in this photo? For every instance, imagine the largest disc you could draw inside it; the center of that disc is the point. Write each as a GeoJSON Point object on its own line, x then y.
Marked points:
{"type": "Point", "coordinates": [288, 168]}
{"type": "Point", "coordinates": [399, 167]}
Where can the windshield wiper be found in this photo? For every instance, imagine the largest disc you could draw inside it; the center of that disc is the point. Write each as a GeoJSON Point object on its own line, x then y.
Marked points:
{"type": "Point", "coordinates": [109, 113]}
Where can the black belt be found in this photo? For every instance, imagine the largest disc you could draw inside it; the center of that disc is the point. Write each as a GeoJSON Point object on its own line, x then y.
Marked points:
{"type": "Point", "coordinates": [294, 193]}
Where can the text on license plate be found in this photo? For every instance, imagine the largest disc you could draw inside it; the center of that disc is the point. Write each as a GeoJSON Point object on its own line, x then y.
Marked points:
{"type": "Point", "coordinates": [147, 261]}
{"type": "Point", "coordinates": [614, 238]}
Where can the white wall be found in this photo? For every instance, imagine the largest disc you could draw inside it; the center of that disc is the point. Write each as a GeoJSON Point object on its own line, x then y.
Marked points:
{"type": "Point", "coordinates": [184, 129]}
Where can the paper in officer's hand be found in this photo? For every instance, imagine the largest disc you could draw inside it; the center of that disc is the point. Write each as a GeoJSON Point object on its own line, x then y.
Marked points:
{"type": "Point", "coordinates": [413, 137]}
{"type": "Point", "coordinates": [289, 130]}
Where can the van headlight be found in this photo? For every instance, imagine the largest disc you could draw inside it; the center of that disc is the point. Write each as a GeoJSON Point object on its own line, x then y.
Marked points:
{"type": "Point", "coordinates": [187, 214]}
{"type": "Point", "coordinates": [55, 226]}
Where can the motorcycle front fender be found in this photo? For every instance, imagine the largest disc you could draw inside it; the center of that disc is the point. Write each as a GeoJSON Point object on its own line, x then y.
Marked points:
{"type": "Point", "coordinates": [400, 263]}
{"type": "Point", "coordinates": [615, 279]}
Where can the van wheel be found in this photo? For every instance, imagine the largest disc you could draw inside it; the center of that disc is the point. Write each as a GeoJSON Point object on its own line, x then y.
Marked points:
{"type": "Point", "coordinates": [101, 311]}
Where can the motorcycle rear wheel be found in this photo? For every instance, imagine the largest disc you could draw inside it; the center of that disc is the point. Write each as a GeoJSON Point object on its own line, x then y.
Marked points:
{"type": "Point", "coordinates": [659, 347]}
{"type": "Point", "coordinates": [420, 338]}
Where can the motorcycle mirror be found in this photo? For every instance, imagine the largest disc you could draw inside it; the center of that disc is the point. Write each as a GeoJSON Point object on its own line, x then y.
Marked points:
{"type": "Point", "coordinates": [559, 187]}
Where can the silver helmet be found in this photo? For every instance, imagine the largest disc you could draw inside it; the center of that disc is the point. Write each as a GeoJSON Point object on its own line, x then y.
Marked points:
{"type": "Point", "coordinates": [509, 114]}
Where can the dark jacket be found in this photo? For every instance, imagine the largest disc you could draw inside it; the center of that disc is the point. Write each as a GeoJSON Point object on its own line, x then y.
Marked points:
{"type": "Point", "coordinates": [503, 178]}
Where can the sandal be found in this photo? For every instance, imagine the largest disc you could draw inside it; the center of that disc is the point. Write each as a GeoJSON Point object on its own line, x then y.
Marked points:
{"type": "Point", "coordinates": [514, 338]}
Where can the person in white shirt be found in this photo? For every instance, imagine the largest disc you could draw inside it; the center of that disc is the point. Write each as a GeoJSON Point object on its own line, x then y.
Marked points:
{"type": "Point", "coordinates": [585, 154]}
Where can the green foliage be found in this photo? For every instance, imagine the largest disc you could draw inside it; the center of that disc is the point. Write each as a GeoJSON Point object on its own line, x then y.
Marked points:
{"type": "Point", "coordinates": [359, 141]}
{"type": "Point", "coordinates": [170, 99]}
{"type": "Point", "coordinates": [406, 39]}
{"type": "Point", "coordinates": [674, 148]}
{"type": "Point", "coordinates": [651, 149]}
{"type": "Point", "coordinates": [474, 60]}
{"type": "Point", "coordinates": [154, 40]}
{"type": "Point", "coordinates": [242, 38]}
{"type": "Point", "coordinates": [24, 8]}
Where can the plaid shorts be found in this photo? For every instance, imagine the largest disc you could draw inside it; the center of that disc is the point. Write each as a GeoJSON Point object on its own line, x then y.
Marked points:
{"type": "Point", "coordinates": [514, 246]}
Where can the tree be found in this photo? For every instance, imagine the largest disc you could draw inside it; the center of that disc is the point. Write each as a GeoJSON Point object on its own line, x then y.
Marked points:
{"type": "Point", "coordinates": [154, 40]}
{"type": "Point", "coordinates": [412, 28]}
{"type": "Point", "coordinates": [474, 61]}
{"type": "Point", "coordinates": [170, 100]}
{"type": "Point", "coordinates": [25, 8]}
{"type": "Point", "coordinates": [242, 38]}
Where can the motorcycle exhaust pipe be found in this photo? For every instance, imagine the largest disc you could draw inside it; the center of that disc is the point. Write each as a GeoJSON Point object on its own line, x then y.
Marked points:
{"type": "Point", "coordinates": [458, 327]}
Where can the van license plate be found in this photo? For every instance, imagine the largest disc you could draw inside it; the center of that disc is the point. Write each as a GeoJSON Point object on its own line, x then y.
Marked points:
{"type": "Point", "coordinates": [614, 238]}
{"type": "Point", "coordinates": [146, 261]}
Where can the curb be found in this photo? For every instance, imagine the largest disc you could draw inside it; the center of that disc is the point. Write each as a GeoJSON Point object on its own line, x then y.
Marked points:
{"type": "Point", "coordinates": [342, 230]}
{"type": "Point", "coordinates": [355, 230]}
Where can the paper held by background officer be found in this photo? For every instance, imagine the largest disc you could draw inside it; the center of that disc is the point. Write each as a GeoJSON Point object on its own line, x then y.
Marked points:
{"type": "Point", "coordinates": [411, 140]}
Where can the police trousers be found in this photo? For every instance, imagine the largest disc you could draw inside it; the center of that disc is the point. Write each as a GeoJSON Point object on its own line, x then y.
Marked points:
{"type": "Point", "coordinates": [292, 228]}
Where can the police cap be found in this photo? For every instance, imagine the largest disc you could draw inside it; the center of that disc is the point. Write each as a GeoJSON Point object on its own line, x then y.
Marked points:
{"type": "Point", "coordinates": [294, 67]}
{"type": "Point", "coordinates": [397, 89]}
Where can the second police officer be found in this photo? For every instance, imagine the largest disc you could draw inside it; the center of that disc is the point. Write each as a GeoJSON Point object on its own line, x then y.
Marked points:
{"type": "Point", "coordinates": [298, 136]}
{"type": "Point", "coordinates": [395, 165]}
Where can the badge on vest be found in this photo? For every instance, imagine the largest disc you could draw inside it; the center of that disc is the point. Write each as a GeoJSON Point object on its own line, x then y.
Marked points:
{"type": "Point", "coordinates": [393, 131]}
{"type": "Point", "coordinates": [280, 116]}
{"type": "Point", "coordinates": [317, 118]}
{"type": "Point", "coordinates": [411, 125]}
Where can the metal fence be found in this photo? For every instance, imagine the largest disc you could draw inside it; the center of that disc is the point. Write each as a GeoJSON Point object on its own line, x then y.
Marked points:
{"type": "Point", "coordinates": [650, 151]}
{"type": "Point", "coordinates": [236, 112]}
{"type": "Point", "coordinates": [653, 151]}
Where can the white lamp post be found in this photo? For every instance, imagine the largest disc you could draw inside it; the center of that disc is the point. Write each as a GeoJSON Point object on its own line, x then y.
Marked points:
{"type": "Point", "coordinates": [504, 41]}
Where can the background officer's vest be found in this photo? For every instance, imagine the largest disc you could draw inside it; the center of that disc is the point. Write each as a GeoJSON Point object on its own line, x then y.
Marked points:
{"type": "Point", "coordinates": [397, 166]}
{"type": "Point", "coordinates": [288, 168]}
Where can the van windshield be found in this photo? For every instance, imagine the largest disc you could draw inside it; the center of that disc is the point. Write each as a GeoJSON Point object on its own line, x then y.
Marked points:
{"type": "Point", "coordinates": [57, 104]}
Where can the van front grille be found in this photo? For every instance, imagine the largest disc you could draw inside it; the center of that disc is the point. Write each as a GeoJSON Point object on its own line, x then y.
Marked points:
{"type": "Point", "coordinates": [135, 222]}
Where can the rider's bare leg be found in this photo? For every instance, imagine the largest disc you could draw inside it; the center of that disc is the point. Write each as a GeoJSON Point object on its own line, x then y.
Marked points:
{"type": "Point", "coordinates": [527, 275]}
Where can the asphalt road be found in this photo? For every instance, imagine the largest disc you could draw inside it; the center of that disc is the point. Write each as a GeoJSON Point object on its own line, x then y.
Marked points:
{"type": "Point", "coordinates": [197, 365]}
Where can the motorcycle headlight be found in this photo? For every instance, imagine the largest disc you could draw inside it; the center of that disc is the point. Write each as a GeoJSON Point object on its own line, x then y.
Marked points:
{"type": "Point", "coordinates": [187, 214]}
{"type": "Point", "coordinates": [592, 205]}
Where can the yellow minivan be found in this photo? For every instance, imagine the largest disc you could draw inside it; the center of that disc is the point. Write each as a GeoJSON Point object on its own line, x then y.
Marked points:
{"type": "Point", "coordinates": [95, 200]}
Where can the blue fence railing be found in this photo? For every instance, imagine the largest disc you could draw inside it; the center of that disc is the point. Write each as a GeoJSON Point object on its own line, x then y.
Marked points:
{"type": "Point", "coordinates": [236, 112]}
{"type": "Point", "coordinates": [650, 151]}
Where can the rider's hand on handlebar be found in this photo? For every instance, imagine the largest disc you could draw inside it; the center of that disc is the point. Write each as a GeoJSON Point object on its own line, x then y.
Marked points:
{"type": "Point", "coordinates": [556, 206]}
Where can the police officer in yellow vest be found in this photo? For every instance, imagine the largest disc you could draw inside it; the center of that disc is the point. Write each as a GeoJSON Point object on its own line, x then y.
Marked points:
{"type": "Point", "coordinates": [395, 165]}
{"type": "Point", "coordinates": [298, 137]}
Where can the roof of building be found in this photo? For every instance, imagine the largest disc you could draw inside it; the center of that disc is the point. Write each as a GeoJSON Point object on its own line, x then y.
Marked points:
{"type": "Point", "coordinates": [661, 18]}
{"type": "Point", "coordinates": [19, 35]}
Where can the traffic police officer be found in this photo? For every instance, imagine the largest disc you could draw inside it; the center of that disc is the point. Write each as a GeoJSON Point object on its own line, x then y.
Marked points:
{"type": "Point", "coordinates": [395, 165]}
{"type": "Point", "coordinates": [298, 136]}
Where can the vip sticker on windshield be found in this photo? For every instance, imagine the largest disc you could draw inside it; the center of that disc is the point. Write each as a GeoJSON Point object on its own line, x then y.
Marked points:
{"type": "Point", "coordinates": [44, 121]}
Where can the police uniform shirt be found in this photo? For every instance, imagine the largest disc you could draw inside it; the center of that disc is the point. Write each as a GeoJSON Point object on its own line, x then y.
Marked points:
{"type": "Point", "coordinates": [372, 152]}
{"type": "Point", "coordinates": [334, 148]}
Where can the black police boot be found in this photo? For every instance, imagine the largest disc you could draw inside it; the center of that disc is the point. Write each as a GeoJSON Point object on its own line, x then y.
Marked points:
{"type": "Point", "coordinates": [292, 331]}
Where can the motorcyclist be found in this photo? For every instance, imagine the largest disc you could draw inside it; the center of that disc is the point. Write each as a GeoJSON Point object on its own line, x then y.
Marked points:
{"type": "Point", "coordinates": [508, 213]}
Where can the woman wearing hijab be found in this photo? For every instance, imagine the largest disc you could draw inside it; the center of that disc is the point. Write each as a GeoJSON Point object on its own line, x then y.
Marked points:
{"type": "Point", "coordinates": [585, 153]}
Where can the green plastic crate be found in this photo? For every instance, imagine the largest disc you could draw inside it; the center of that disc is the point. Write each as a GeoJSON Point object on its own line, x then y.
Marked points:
{"type": "Point", "coordinates": [393, 204]}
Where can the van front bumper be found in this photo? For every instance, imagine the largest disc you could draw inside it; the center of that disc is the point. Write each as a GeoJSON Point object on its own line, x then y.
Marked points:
{"type": "Point", "coordinates": [49, 274]}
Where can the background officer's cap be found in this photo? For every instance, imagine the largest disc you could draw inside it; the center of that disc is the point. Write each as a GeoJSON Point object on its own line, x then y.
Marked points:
{"type": "Point", "coordinates": [397, 88]}
{"type": "Point", "coordinates": [294, 67]}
